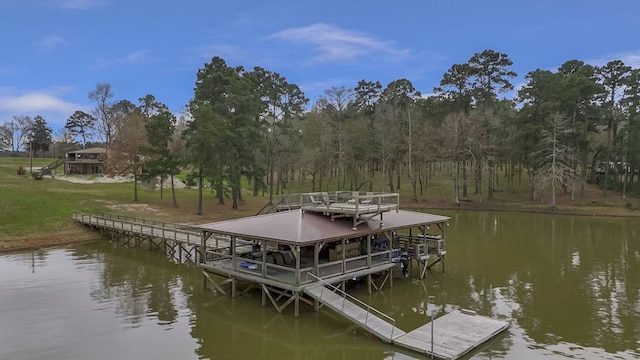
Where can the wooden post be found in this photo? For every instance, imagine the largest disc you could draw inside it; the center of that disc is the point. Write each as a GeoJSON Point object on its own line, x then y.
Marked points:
{"type": "Point", "coordinates": [264, 262]}
{"type": "Point", "coordinates": [316, 259]}
{"type": "Point", "coordinates": [233, 286]}
{"type": "Point", "coordinates": [233, 264]}
{"type": "Point", "coordinates": [203, 245]}
{"type": "Point", "coordinates": [344, 265]}
{"type": "Point", "coordinates": [232, 244]}
{"type": "Point", "coordinates": [369, 251]}
{"type": "Point", "coordinates": [369, 263]}
{"type": "Point", "coordinates": [297, 250]}
{"type": "Point", "coordinates": [316, 271]}
{"type": "Point", "coordinates": [296, 304]}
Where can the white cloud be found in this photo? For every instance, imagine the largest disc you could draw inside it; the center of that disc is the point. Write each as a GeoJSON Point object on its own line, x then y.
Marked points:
{"type": "Point", "coordinates": [81, 4]}
{"type": "Point", "coordinates": [130, 58]}
{"type": "Point", "coordinates": [49, 43]}
{"type": "Point", "coordinates": [631, 59]}
{"type": "Point", "coordinates": [48, 103]}
{"type": "Point", "coordinates": [628, 58]}
{"type": "Point", "coordinates": [334, 44]}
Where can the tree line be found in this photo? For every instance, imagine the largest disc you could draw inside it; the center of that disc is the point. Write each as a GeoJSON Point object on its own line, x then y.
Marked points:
{"type": "Point", "coordinates": [562, 129]}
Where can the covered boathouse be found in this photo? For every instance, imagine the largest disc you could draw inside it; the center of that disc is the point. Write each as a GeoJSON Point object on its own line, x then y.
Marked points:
{"type": "Point", "coordinates": [327, 238]}
{"type": "Point", "coordinates": [306, 247]}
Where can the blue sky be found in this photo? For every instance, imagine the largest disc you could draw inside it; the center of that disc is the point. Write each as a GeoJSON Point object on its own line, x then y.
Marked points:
{"type": "Point", "coordinates": [55, 51]}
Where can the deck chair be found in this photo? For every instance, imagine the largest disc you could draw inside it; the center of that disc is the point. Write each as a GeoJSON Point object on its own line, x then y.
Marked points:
{"type": "Point", "coordinates": [314, 201]}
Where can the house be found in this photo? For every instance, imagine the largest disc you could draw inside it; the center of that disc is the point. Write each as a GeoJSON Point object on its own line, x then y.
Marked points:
{"type": "Point", "coordinates": [87, 161]}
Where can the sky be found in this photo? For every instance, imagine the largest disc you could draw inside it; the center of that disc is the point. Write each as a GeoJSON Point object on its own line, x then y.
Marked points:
{"type": "Point", "coordinates": [54, 52]}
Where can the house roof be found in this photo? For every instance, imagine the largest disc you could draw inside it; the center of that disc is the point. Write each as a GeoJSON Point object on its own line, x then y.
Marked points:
{"type": "Point", "coordinates": [298, 227]}
{"type": "Point", "coordinates": [94, 150]}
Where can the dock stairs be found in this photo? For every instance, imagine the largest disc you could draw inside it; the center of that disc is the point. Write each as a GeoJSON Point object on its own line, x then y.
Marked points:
{"type": "Point", "coordinates": [367, 317]}
{"type": "Point", "coordinates": [456, 333]}
{"type": "Point", "coordinates": [46, 170]}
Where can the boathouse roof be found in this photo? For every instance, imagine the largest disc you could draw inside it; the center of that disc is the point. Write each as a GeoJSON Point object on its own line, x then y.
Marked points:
{"type": "Point", "coordinates": [305, 228]}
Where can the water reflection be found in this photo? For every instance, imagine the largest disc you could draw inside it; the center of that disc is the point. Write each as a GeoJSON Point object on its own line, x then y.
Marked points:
{"type": "Point", "coordinates": [570, 286]}
{"type": "Point", "coordinates": [568, 280]}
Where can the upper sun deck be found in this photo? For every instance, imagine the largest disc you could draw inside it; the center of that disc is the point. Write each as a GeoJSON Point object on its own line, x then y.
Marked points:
{"type": "Point", "coordinates": [361, 207]}
{"type": "Point", "coordinates": [295, 227]}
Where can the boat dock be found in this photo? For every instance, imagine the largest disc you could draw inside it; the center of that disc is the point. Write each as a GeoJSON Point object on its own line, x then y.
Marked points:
{"type": "Point", "coordinates": [307, 254]}
{"type": "Point", "coordinates": [450, 336]}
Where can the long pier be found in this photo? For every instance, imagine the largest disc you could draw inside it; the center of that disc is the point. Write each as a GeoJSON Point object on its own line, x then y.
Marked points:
{"type": "Point", "coordinates": [181, 242]}
{"type": "Point", "coordinates": [244, 250]}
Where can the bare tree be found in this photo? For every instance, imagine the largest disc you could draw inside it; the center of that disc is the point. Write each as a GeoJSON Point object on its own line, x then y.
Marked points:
{"type": "Point", "coordinates": [64, 140]}
{"type": "Point", "coordinates": [453, 140]}
{"type": "Point", "coordinates": [555, 157]}
{"type": "Point", "coordinates": [124, 154]}
{"type": "Point", "coordinates": [334, 105]}
{"type": "Point", "coordinates": [18, 128]}
{"type": "Point", "coordinates": [105, 120]}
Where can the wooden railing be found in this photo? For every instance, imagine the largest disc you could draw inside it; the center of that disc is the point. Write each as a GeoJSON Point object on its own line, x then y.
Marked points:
{"type": "Point", "coordinates": [141, 226]}
{"type": "Point", "coordinates": [370, 309]}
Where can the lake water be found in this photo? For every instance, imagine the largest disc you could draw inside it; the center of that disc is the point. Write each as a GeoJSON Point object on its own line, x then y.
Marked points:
{"type": "Point", "coordinates": [569, 285]}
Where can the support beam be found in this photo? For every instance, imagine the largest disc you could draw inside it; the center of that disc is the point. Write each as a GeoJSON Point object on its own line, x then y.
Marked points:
{"type": "Point", "coordinates": [216, 286]}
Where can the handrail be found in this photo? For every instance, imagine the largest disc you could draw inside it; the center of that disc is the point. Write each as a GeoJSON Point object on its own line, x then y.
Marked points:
{"type": "Point", "coordinates": [368, 307]}
{"type": "Point", "coordinates": [146, 221]}
{"type": "Point", "coordinates": [139, 227]}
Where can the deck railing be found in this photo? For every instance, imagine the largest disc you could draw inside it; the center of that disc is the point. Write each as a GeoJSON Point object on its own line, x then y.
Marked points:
{"type": "Point", "coordinates": [117, 222]}
{"type": "Point", "coordinates": [148, 221]}
{"type": "Point", "coordinates": [365, 306]}
{"type": "Point", "coordinates": [294, 201]}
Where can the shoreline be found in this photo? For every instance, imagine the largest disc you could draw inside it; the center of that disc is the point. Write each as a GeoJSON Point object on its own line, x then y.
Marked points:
{"type": "Point", "coordinates": [560, 210]}
{"type": "Point", "coordinates": [78, 234]}
{"type": "Point", "coordinates": [25, 243]}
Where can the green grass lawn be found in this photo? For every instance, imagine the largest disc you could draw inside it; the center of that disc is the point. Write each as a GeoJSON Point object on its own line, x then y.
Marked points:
{"type": "Point", "coordinates": [38, 208]}
{"type": "Point", "coordinates": [30, 207]}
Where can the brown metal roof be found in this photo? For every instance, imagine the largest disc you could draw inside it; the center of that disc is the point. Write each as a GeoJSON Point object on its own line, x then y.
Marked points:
{"type": "Point", "coordinates": [297, 227]}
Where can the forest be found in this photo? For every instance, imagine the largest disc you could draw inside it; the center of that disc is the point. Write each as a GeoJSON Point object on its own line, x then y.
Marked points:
{"type": "Point", "coordinates": [560, 130]}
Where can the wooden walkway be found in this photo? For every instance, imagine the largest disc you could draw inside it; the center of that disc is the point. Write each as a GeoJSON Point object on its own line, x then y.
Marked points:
{"type": "Point", "coordinates": [180, 233]}
{"type": "Point", "coordinates": [184, 234]}
{"type": "Point", "coordinates": [363, 315]}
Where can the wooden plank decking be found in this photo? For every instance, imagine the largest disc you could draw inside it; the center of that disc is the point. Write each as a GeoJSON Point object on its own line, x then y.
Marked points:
{"type": "Point", "coordinates": [454, 335]}
{"type": "Point", "coordinates": [168, 231]}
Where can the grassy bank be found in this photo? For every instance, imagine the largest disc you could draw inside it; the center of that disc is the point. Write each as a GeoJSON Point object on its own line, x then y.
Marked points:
{"type": "Point", "coordinates": [38, 212]}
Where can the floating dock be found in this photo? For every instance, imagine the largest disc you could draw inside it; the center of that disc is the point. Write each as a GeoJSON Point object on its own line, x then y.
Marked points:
{"type": "Point", "coordinates": [454, 335]}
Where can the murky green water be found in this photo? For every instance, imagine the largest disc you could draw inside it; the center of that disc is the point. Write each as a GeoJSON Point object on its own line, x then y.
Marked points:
{"type": "Point", "coordinates": [570, 286]}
